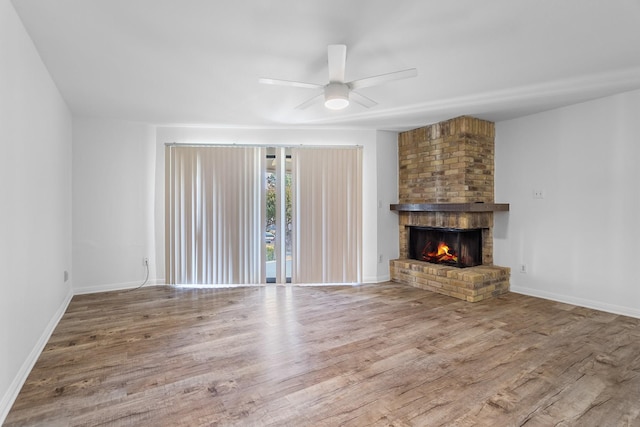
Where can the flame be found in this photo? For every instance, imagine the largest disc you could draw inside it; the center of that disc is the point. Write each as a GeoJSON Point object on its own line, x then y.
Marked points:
{"type": "Point", "coordinates": [442, 254]}
{"type": "Point", "coordinates": [443, 249]}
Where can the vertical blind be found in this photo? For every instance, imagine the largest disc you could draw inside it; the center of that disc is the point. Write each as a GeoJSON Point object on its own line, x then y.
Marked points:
{"type": "Point", "coordinates": [214, 215]}
{"type": "Point", "coordinates": [327, 215]}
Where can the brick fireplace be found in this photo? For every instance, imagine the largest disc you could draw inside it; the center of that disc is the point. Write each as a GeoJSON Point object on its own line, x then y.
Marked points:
{"type": "Point", "coordinates": [446, 181]}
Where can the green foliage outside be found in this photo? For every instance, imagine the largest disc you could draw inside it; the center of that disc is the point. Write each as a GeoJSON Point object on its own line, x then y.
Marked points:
{"type": "Point", "coordinates": [271, 199]}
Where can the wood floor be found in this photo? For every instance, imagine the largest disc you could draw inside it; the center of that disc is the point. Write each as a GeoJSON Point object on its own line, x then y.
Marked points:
{"type": "Point", "coordinates": [372, 355]}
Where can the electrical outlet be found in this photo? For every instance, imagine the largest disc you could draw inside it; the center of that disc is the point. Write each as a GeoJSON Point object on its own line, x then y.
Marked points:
{"type": "Point", "coordinates": [523, 268]}
{"type": "Point", "coordinates": [66, 275]}
{"type": "Point", "coordinates": [538, 194]}
{"type": "Point", "coordinates": [380, 259]}
{"type": "Point", "coordinates": [145, 262]}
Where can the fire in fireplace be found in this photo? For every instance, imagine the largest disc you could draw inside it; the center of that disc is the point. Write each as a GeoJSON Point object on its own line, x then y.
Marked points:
{"type": "Point", "coordinates": [449, 246]}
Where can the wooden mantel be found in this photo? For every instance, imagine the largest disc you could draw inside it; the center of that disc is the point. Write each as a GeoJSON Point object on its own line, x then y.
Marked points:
{"type": "Point", "coordinates": [450, 207]}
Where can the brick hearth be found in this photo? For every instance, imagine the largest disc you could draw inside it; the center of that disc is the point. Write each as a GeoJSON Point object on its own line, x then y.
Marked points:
{"type": "Point", "coordinates": [449, 162]}
{"type": "Point", "coordinates": [472, 284]}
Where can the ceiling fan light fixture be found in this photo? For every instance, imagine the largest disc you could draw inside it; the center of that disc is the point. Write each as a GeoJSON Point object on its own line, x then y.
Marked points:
{"type": "Point", "coordinates": [336, 96]}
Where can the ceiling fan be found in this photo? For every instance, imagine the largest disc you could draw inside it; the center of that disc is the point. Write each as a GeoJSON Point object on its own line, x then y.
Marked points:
{"type": "Point", "coordinates": [337, 93]}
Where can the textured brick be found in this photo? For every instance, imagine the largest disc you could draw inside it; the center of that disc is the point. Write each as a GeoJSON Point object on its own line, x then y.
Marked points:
{"type": "Point", "coordinates": [470, 284]}
{"type": "Point", "coordinates": [462, 143]}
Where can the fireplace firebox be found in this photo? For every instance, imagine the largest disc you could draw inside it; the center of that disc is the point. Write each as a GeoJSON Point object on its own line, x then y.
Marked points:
{"type": "Point", "coordinates": [448, 246]}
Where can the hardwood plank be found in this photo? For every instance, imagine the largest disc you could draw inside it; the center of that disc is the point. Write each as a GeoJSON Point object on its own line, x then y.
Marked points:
{"type": "Point", "coordinates": [381, 355]}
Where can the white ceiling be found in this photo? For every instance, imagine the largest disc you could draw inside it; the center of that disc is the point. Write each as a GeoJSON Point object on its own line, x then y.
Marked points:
{"type": "Point", "coordinates": [197, 62]}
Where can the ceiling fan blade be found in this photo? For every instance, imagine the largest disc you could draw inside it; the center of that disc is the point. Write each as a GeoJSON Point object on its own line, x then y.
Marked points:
{"type": "Point", "coordinates": [290, 83]}
{"type": "Point", "coordinates": [337, 62]}
{"type": "Point", "coordinates": [383, 78]}
{"type": "Point", "coordinates": [362, 100]}
{"type": "Point", "coordinates": [310, 101]}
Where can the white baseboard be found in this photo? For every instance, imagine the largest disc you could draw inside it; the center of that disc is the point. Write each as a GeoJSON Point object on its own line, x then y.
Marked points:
{"type": "Point", "coordinates": [385, 278]}
{"type": "Point", "coordinates": [16, 385]}
{"type": "Point", "coordinates": [107, 287]}
{"type": "Point", "coordinates": [596, 305]}
{"type": "Point", "coordinates": [376, 279]}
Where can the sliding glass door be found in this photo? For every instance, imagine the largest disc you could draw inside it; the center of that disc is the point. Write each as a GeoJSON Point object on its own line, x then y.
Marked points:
{"type": "Point", "coordinates": [249, 215]}
{"type": "Point", "coordinates": [278, 225]}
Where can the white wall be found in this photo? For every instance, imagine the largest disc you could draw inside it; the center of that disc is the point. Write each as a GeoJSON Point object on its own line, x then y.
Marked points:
{"type": "Point", "coordinates": [387, 176]}
{"type": "Point", "coordinates": [35, 210]}
{"type": "Point", "coordinates": [118, 195]}
{"type": "Point", "coordinates": [373, 171]}
{"type": "Point", "coordinates": [113, 204]}
{"type": "Point", "coordinates": [580, 242]}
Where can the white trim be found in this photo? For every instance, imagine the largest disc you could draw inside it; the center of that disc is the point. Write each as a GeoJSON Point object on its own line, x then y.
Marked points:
{"type": "Point", "coordinates": [596, 305]}
{"type": "Point", "coordinates": [259, 145]}
{"type": "Point", "coordinates": [256, 285]}
{"type": "Point", "coordinates": [219, 285]}
{"type": "Point", "coordinates": [18, 381]}
{"type": "Point", "coordinates": [107, 287]}
{"type": "Point", "coordinates": [377, 279]}
{"type": "Point", "coordinates": [324, 284]}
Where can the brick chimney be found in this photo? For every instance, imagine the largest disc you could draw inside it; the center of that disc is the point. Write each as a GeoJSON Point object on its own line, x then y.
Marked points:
{"type": "Point", "coordinates": [449, 164]}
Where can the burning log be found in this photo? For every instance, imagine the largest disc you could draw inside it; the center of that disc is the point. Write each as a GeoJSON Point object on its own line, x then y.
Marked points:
{"type": "Point", "coordinates": [441, 254]}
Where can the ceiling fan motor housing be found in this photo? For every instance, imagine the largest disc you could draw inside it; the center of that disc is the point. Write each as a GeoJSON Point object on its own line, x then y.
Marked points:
{"type": "Point", "coordinates": [336, 95]}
